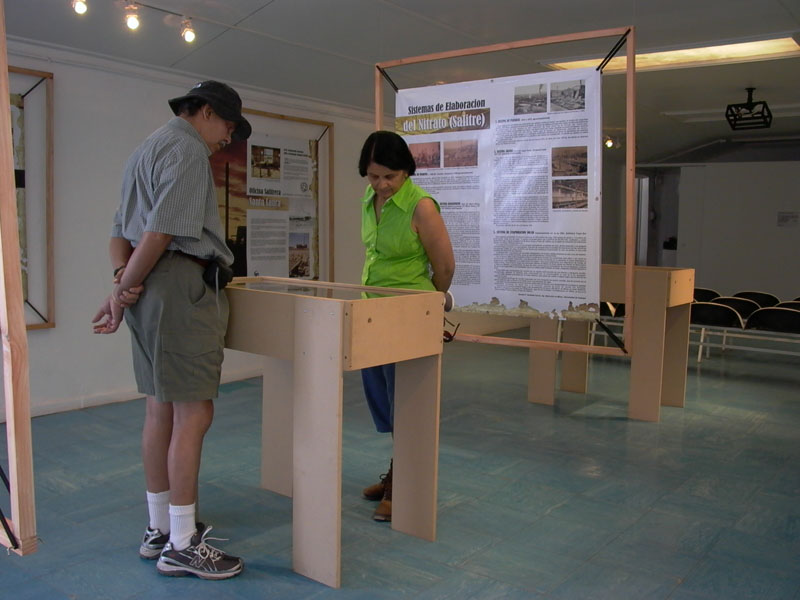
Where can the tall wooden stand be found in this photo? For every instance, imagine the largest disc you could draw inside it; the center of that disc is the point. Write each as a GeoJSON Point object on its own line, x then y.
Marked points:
{"type": "Point", "coordinates": [15, 340]}
{"type": "Point", "coordinates": [309, 333]}
{"type": "Point", "coordinates": [663, 299]}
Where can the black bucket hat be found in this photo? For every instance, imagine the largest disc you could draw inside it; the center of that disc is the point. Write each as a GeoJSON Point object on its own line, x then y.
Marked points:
{"type": "Point", "coordinates": [225, 102]}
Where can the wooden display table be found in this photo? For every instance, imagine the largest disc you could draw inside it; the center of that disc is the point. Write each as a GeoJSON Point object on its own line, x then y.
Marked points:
{"type": "Point", "coordinates": [310, 332]}
{"type": "Point", "coordinates": [662, 305]}
{"type": "Point", "coordinates": [660, 345]}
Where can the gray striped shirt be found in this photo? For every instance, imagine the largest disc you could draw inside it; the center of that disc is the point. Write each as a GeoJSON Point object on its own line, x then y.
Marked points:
{"type": "Point", "coordinates": [168, 187]}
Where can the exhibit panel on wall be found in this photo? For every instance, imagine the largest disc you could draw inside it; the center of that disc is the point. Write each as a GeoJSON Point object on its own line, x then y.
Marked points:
{"type": "Point", "coordinates": [514, 163]}
{"type": "Point", "coordinates": [31, 130]}
{"type": "Point", "coordinates": [275, 196]}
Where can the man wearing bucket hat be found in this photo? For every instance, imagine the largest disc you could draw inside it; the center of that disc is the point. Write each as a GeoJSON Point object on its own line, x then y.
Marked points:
{"type": "Point", "coordinates": [167, 250]}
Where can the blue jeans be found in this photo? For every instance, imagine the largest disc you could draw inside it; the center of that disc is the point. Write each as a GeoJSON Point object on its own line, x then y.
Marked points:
{"type": "Point", "coordinates": [379, 390]}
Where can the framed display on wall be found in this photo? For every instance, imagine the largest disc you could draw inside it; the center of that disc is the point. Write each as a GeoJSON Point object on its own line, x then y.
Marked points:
{"type": "Point", "coordinates": [31, 107]}
{"type": "Point", "coordinates": [275, 197]}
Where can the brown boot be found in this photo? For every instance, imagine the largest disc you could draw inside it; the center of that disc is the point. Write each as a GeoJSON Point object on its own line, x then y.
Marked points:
{"type": "Point", "coordinates": [384, 510]}
{"type": "Point", "coordinates": [376, 490]}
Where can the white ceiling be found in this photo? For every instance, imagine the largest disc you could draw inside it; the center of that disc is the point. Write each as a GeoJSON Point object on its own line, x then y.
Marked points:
{"type": "Point", "coordinates": [326, 49]}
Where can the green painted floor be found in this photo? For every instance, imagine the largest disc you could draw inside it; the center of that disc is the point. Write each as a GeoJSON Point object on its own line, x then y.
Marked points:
{"type": "Point", "coordinates": [565, 502]}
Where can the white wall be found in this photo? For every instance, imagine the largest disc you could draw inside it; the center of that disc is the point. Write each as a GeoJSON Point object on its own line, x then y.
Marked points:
{"type": "Point", "coordinates": [728, 227]}
{"type": "Point", "coordinates": [613, 219]}
{"type": "Point", "coordinates": [103, 110]}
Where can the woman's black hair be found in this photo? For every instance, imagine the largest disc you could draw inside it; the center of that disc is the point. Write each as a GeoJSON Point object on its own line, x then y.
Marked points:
{"type": "Point", "coordinates": [387, 149]}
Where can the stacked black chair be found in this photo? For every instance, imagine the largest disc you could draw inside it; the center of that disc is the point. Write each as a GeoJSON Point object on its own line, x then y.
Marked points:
{"type": "Point", "coordinates": [743, 306]}
{"type": "Point", "coordinates": [711, 314]}
{"type": "Point", "coordinates": [795, 304]}
{"type": "Point", "coordinates": [705, 294]}
{"type": "Point", "coordinates": [608, 310]}
{"type": "Point", "coordinates": [764, 299]}
{"type": "Point", "coordinates": [773, 318]}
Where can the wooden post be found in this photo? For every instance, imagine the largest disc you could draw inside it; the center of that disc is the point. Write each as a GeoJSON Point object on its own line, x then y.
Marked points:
{"type": "Point", "coordinates": [575, 365]}
{"type": "Point", "coordinates": [542, 362]}
{"type": "Point", "coordinates": [630, 189]}
{"type": "Point", "coordinates": [15, 340]}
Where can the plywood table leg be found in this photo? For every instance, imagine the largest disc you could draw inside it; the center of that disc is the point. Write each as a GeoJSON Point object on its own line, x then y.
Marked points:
{"type": "Point", "coordinates": [317, 443]}
{"type": "Point", "coordinates": [575, 365]}
{"type": "Point", "coordinates": [276, 426]}
{"type": "Point", "coordinates": [542, 363]}
{"type": "Point", "coordinates": [676, 355]}
{"type": "Point", "coordinates": [416, 446]}
{"type": "Point", "coordinates": [649, 334]}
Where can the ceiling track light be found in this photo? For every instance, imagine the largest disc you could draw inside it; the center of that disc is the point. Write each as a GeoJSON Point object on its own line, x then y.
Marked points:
{"type": "Point", "coordinates": [80, 6]}
{"type": "Point", "coordinates": [132, 15]}
{"type": "Point", "coordinates": [750, 114]}
{"type": "Point", "coordinates": [187, 31]}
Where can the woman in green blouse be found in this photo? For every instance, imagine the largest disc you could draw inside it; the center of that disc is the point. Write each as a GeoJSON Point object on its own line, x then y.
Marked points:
{"type": "Point", "coordinates": [407, 246]}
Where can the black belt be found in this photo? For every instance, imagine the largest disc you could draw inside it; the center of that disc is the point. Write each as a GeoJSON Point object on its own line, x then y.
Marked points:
{"type": "Point", "coordinates": [203, 262]}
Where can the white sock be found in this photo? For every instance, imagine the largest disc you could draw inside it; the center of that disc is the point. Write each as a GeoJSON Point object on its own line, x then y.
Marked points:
{"type": "Point", "coordinates": [182, 525]}
{"type": "Point", "coordinates": [158, 509]}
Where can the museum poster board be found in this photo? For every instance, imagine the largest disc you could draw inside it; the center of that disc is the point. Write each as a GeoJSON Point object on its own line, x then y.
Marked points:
{"type": "Point", "coordinates": [274, 197]}
{"type": "Point", "coordinates": [515, 165]}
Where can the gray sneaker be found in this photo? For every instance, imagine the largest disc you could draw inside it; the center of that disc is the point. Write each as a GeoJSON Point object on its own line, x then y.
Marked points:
{"type": "Point", "coordinates": [199, 559]}
{"type": "Point", "coordinates": [153, 542]}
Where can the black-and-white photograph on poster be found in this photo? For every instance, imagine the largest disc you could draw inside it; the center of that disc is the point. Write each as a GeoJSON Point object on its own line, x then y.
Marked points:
{"type": "Point", "coordinates": [570, 160]}
{"type": "Point", "coordinates": [568, 95]}
{"type": "Point", "coordinates": [530, 99]}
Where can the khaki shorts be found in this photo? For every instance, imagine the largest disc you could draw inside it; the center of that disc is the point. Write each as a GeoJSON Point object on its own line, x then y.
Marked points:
{"type": "Point", "coordinates": [178, 332]}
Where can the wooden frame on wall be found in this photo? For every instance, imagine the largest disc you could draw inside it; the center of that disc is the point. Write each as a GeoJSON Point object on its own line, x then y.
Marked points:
{"type": "Point", "coordinates": [36, 181]}
{"type": "Point", "coordinates": [628, 35]}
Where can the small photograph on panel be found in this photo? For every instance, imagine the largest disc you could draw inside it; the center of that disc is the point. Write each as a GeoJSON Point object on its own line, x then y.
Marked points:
{"type": "Point", "coordinates": [461, 153]}
{"type": "Point", "coordinates": [299, 255]}
{"type": "Point", "coordinates": [570, 194]}
{"type": "Point", "coordinates": [530, 99]}
{"type": "Point", "coordinates": [427, 155]}
{"type": "Point", "coordinates": [265, 162]}
{"type": "Point", "coordinates": [568, 95]}
{"type": "Point", "coordinates": [569, 161]}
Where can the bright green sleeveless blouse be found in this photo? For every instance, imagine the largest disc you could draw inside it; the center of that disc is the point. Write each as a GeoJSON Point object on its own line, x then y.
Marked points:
{"type": "Point", "coordinates": [395, 256]}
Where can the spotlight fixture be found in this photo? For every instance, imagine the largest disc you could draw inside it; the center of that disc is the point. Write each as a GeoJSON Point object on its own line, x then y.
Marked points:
{"type": "Point", "coordinates": [749, 115]}
{"type": "Point", "coordinates": [80, 6]}
{"type": "Point", "coordinates": [187, 32]}
{"type": "Point", "coordinates": [132, 15]}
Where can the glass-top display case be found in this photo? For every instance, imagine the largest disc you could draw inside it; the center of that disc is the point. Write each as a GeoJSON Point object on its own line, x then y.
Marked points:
{"type": "Point", "coordinates": [380, 325]}
{"type": "Point", "coordinates": [309, 333]}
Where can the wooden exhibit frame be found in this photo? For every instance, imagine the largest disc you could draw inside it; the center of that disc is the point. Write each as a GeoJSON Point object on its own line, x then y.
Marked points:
{"type": "Point", "coordinates": [48, 318]}
{"type": "Point", "coordinates": [627, 34]}
{"type": "Point", "coordinates": [327, 132]}
{"type": "Point", "coordinates": [308, 340]}
{"type": "Point", "coordinates": [16, 381]}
